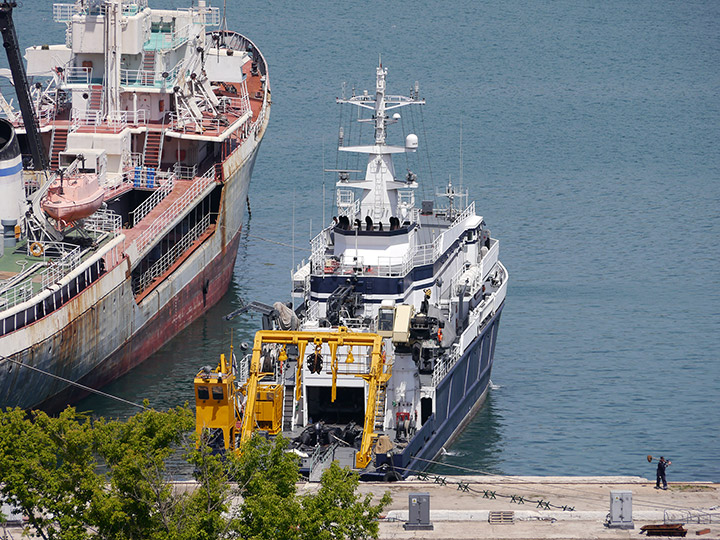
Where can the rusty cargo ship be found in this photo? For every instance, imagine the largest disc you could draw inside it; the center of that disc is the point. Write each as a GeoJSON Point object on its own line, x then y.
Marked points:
{"type": "Point", "coordinates": [123, 184]}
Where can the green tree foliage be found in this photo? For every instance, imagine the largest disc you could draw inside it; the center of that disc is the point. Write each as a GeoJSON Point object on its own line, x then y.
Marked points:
{"type": "Point", "coordinates": [77, 478]}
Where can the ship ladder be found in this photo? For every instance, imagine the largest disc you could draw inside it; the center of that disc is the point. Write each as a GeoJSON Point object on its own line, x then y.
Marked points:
{"type": "Point", "coordinates": [380, 407]}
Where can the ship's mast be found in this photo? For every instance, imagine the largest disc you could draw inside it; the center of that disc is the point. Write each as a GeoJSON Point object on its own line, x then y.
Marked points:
{"type": "Point", "coordinates": [113, 55]}
{"type": "Point", "coordinates": [380, 196]}
{"type": "Point", "coordinates": [380, 106]}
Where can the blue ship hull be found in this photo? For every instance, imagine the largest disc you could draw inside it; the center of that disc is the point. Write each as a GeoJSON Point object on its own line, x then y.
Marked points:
{"type": "Point", "coordinates": [458, 397]}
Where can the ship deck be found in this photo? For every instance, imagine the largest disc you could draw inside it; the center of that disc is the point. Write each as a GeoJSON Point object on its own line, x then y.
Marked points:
{"type": "Point", "coordinates": [210, 127]}
{"type": "Point", "coordinates": [17, 261]}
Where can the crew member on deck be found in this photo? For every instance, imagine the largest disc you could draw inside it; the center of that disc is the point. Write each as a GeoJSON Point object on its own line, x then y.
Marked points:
{"type": "Point", "coordinates": [425, 304]}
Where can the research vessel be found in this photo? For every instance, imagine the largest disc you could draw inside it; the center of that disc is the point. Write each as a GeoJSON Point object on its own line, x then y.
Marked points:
{"type": "Point", "coordinates": [386, 350]}
{"type": "Point", "coordinates": [124, 174]}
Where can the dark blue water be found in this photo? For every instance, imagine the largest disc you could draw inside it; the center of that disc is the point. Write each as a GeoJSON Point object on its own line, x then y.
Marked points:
{"type": "Point", "coordinates": [590, 135]}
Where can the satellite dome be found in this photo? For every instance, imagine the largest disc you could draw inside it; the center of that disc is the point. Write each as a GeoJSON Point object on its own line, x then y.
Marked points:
{"type": "Point", "coordinates": [411, 141]}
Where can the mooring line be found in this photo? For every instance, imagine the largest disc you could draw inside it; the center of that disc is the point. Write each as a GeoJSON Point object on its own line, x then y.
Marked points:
{"type": "Point", "coordinates": [73, 383]}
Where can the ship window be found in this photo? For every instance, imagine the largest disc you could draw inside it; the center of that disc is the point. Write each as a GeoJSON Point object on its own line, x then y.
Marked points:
{"type": "Point", "coordinates": [202, 392]}
{"type": "Point", "coordinates": [217, 392]}
{"type": "Point", "coordinates": [385, 320]}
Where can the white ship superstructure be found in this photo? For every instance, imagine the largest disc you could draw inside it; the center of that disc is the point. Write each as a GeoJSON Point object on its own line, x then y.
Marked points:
{"type": "Point", "coordinates": [148, 123]}
{"type": "Point", "coordinates": [425, 281]}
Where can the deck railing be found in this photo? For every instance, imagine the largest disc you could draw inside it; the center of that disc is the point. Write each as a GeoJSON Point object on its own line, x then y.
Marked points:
{"type": "Point", "coordinates": [150, 79]}
{"type": "Point", "coordinates": [16, 294]}
{"type": "Point", "coordinates": [104, 221]}
{"type": "Point", "coordinates": [161, 266]}
{"type": "Point", "coordinates": [151, 202]}
{"type": "Point", "coordinates": [77, 75]}
{"type": "Point", "coordinates": [382, 266]}
{"type": "Point", "coordinates": [63, 13]}
{"type": "Point", "coordinates": [68, 260]}
{"type": "Point", "coordinates": [115, 121]}
{"type": "Point", "coordinates": [151, 233]}
{"type": "Point", "coordinates": [184, 172]}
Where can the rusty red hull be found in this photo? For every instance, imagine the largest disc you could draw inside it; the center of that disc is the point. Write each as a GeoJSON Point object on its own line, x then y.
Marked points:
{"type": "Point", "coordinates": [191, 302]}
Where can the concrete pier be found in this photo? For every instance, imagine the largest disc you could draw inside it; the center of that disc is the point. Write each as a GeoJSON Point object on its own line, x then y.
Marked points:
{"type": "Point", "coordinates": [548, 507]}
{"type": "Point", "coordinates": [460, 508]}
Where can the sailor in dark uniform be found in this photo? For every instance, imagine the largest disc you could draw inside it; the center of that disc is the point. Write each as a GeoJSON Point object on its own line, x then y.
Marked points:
{"type": "Point", "coordinates": [662, 465]}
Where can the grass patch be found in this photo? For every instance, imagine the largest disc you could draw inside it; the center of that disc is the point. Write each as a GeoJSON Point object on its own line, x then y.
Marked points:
{"type": "Point", "coordinates": [691, 487]}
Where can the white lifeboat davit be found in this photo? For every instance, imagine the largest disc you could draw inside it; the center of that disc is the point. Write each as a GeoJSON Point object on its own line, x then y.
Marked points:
{"type": "Point", "coordinates": [74, 197]}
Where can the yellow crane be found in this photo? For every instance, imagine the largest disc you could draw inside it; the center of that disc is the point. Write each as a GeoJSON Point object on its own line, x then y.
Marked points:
{"type": "Point", "coordinates": [263, 405]}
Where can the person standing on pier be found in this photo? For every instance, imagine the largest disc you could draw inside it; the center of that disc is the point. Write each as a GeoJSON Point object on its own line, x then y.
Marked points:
{"type": "Point", "coordinates": [662, 465]}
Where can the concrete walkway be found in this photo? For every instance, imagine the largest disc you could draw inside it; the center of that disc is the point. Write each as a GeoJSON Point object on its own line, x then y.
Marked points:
{"type": "Point", "coordinates": [460, 508]}
{"type": "Point", "coordinates": [459, 514]}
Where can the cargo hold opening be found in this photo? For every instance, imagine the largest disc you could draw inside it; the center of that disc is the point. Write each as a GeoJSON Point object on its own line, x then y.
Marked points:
{"type": "Point", "coordinates": [349, 405]}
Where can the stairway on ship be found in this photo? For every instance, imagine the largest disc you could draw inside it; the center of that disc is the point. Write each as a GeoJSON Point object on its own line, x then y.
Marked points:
{"type": "Point", "coordinates": [153, 140]}
{"type": "Point", "coordinates": [95, 103]}
{"type": "Point", "coordinates": [148, 69]}
{"type": "Point", "coordinates": [59, 142]}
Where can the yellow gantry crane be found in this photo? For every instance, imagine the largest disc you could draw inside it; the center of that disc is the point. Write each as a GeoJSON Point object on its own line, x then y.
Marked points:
{"type": "Point", "coordinates": [263, 404]}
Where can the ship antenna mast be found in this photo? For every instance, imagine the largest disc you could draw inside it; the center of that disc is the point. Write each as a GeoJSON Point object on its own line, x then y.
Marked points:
{"type": "Point", "coordinates": [461, 156]}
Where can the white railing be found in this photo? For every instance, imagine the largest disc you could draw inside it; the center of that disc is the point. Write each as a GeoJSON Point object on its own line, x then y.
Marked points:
{"type": "Point", "coordinates": [161, 266]}
{"type": "Point", "coordinates": [63, 13]}
{"type": "Point", "coordinates": [172, 40]}
{"type": "Point", "coordinates": [151, 202]}
{"type": "Point", "coordinates": [58, 268]}
{"type": "Point", "coordinates": [184, 172]}
{"type": "Point", "coordinates": [211, 14]}
{"type": "Point", "coordinates": [136, 159]}
{"type": "Point", "coordinates": [444, 364]}
{"type": "Point", "coordinates": [87, 117]}
{"type": "Point", "coordinates": [406, 197]}
{"type": "Point", "coordinates": [490, 259]}
{"type": "Point", "coordinates": [318, 245]}
{"type": "Point", "coordinates": [32, 180]}
{"type": "Point", "coordinates": [137, 117]}
{"type": "Point", "coordinates": [16, 294]}
{"type": "Point", "coordinates": [77, 75]}
{"type": "Point", "coordinates": [115, 121]}
{"type": "Point", "coordinates": [382, 267]}
{"type": "Point", "coordinates": [104, 221]}
{"type": "Point", "coordinates": [469, 211]}
{"type": "Point", "coordinates": [255, 128]}
{"type": "Point", "coordinates": [133, 7]}
{"type": "Point", "coordinates": [345, 197]}
{"type": "Point", "coordinates": [243, 368]}
{"type": "Point", "coordinates": [186, 124]}
{"type": "Point", "coordinates": [313, 311]}
{"type": "Point", "coordinates": [153, 231]}
{"type": "Point", "coordinates": [141, 77]}
{"type": "Point", "coordinates": [235, 105]}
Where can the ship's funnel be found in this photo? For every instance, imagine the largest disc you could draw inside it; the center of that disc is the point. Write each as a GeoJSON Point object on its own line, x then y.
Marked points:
{"type": "Point", "coordinates": [12, 193]}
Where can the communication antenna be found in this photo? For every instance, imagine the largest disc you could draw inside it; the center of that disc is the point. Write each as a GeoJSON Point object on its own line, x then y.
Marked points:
{"type": "Point", "coordinates": [223, 23]}
{"type": "Point", "coordinates": [461, 157]}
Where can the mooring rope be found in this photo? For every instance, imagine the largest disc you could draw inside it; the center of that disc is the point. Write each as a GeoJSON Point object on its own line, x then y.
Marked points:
{"type": "Point", "coordinates": [73, 383]}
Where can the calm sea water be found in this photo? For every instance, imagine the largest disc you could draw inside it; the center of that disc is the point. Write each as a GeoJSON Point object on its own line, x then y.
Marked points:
{"type": "Point", "coordinates": [590, 133]}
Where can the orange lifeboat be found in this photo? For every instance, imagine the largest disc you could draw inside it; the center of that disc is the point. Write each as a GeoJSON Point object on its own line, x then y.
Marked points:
{"type": "Point", "coordinates": [74, 197]}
